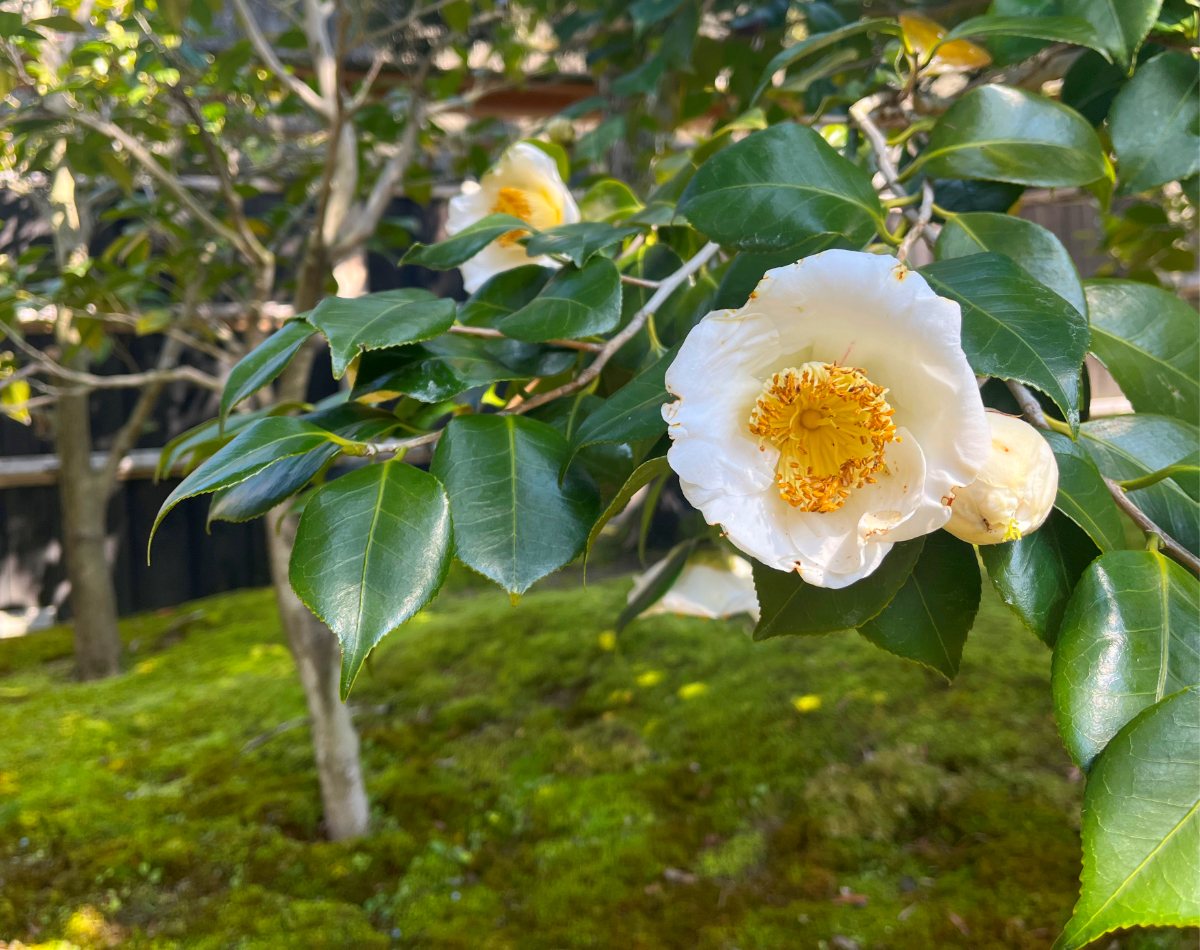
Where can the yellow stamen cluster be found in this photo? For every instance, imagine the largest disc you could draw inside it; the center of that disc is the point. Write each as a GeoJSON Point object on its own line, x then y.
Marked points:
{"type": "Point", "coordinates": [515, 202]}
{"type": "Point", "coordinates": [831, 425]}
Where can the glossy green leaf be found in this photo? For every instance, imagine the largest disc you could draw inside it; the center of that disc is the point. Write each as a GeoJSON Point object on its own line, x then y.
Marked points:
{"type": "Point", "coordinates": [262, 364]}
{"type": "Point", "coordinates": [1150, 341]}
{"type": "Point", "coordinates": [1121, 24]}
{"type": "Point", "coordinates": [609, 200]}
{"type": "Point", "coordinates": [1082, 495]}
{"type": "Point", "coordinates": [1091, 85]}
{"type": "Point", "coordinates": [1058, 29]}
{"type": "Point", "coordinates": [391, 318]}
{"type": "Point", "coordinates": [1034, 248]}
{"type": "Point", "coordinates": [1004, 134]}
{"type": "Point", "coordinates": [645, 13]}
{"type": "Point", "coordinates": [259, 493]}
{"type": "Point", "coordinates": [1141, 827]}
{"type": "Point", "coordinates": [820, 41]}
{"type": "Point", "coordinates": [1036, 574]}
{"type": "Point", "coordinates": [1127, 447]}
{"type": "Point", "coordinates": [578, 241]}
{"type": "Point", "coordinates": [1155, 124]}
{"type": "Point", "coordinates": [1130, 637]}
{"type": "Point", "coordinates": [451, 364]}
{"type": "Point", "coordinates": [747, 269]}
{"type": "Point", "coordinates": [465, 244]}
{"type": "Point", "coordinates": [577, 302]}
{"type": "Point", "coordinates": [642, 476]}
{"type": "Point", "coordinates": [1013, 327]}
{"type": "Point", "coordinates": [666, 573]}
{"type": "Point", "coordinates": [513, 521]}
{"type": "Point", "coordinates": [789, 607]}
{"type": "Point", "coordinates": [262, 444]}
{"type": "Point", "coordinates": [929, 618]}
{"type": "Point", "coordinates": [633, 412]}
{"type": "Point", "coordinates": [503, 295]}
{"type": "Point", "coordinates": [778, 187]}
{"type": "Point", "coordinates": [196, 444]}
{"type": "Point", "coordinates": [372, 548]}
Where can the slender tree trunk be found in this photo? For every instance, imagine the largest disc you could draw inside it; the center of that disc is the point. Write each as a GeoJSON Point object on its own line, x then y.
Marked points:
{"type": "Point", "coordinates": [314, 646]}
{"type": "Point", "coordinates": [318, 661]}
{"type": "Point", "coordinates": [84, 507]}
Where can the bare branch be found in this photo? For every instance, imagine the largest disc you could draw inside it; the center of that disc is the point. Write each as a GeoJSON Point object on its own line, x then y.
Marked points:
{"type": "Point", "coordinates": [918, 229]}
{"type": "Point", "coordinates": [640, 282]}
{"type": "Point", "coordinates": [1032, 411]}
{"type": "Point", "coordinates": [364, 88]}
{"type": "Point", "coordinates": [267, 54]}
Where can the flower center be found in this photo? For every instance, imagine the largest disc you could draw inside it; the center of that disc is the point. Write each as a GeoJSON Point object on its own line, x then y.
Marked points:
{"type": "Point", "coordinates": [533, 207]}
{"type": "Point", "coordinates": [831, 425]}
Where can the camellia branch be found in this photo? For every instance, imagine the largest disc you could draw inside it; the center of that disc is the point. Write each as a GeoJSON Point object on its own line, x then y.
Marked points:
{"type": "Point", "coordinates": [491, 334]}
{"type": "Point", "coordinates": [1032, 411]}
{"type": "Point", "coordinates": [917, 231]}
{"type": "Point", "coordinates": [606, 352]}
{"type": "Point", "coordinates": [267, 54]}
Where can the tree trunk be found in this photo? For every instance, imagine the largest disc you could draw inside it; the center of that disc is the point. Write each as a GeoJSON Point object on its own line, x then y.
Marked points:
{"type": "Point", "coordinates": [318, 661]}
{"type": "Point", "coordinates": [84, 506]}
{"type": "Point", "coordinates": [314, 646]}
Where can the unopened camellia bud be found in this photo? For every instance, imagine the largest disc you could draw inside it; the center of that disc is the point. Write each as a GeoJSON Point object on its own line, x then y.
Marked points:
{"type": "Point", "coordinates": [1015, 489]}
{"type": "Point", "coordinates": [560, 130]}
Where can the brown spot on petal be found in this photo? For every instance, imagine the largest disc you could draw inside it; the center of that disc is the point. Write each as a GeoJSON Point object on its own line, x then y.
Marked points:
{"type": "Point", "coordinates": [900, 272]}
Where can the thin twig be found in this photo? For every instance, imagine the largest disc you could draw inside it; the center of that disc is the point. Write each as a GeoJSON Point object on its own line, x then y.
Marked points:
{"type": "Point", "coordinates": [917, 231]}
{"type": "Point", "coordinates": [1032, 411]}
{"type": "Point", "coordinates": [640, 282]}
{"type": "Point", "coordinates": [491, 334]}
{"type": "Point", "coordinates": [665, 289]}
{"type": "Point", "coordinates": [267, 54]}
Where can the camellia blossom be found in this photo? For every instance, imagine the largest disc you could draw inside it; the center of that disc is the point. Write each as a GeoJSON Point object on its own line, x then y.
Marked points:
{"type": "Point", "coordinates": [718, 586]}
{"type": "Point", "coordinates": [1015, 489]}
{"type": "Point", "coordinates": [524, 183]}
{"type": "Point", "coordinates": [829, 418]}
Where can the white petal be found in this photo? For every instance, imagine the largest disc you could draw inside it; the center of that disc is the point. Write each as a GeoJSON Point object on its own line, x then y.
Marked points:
{"type": "Point", "coordinates": [704, 590]}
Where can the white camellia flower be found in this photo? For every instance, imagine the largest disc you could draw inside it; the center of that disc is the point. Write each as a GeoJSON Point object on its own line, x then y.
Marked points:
{"type": "Point", "coordinates": [712, 587]}
{"type": "Point", "coordinates": [524, 183]}
{"type": "Point", "coordinates": [829, 418]}
{"type": "Point", "coordinates": [1015, 489]}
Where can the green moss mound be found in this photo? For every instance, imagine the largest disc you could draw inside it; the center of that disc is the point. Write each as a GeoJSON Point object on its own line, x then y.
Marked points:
{"type": "Point", "coordinates": [534, 787]}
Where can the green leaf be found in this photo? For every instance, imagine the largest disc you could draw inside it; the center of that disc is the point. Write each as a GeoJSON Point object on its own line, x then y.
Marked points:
{"type": "Point", "coordinates": [1150, 341]}
{"type": "Point", "coordinates": [457, 15]}
{"type": "Point", "coordinates": [1091, 85]}
{"type": "Point", "coordinates": [642, 475]}
{"type": "Point", "coordinates": [513, 521]}
{"type": "Point", "coordinates": [1004, 134]}
{"type": "Point", "coordinates": [503, 295]}
{"type": "Point", "coordinates": [1141, 827]}
{"type": "Point", "coordinates": [259, 493]}
{"type": "Point", "coordinates": [806, 47]}
{"type": "Point", "coordinates": [1130, 637]}
{"type": "Point", "coordinates": [667, 573]}
{"type": "Point", "coordinates": [747, 269]}
{"type": "Point", "coordinates": [1034, 248]}
{"type": "Point", "coordinates": [200, 442]}
{"type": "Point", "coordinates": [391, 318]}
{"type": "Point", "coordinates": [641, 81]}
{"type": "Point", "coordinates": [578, 302]}
{"type": "Point", "coordinates": [1121, 24]}
{"type": "Point", "coordinates": [1013, 327]}
{"type": "Point", "coordinates": [451, 364]}
{"type": "Point", "coordinates": [1082, 495]}
{"type": "Point", "coordinates": [790, 607]}
{"type": "Point", "coordinates": [61, 23]}
{"type": "Point", "coordinates": [1126, 447]}
{"type": "Point", "coordinates": [645, 13]}
{"type": "Point", "coordinates": [1036, 574]}
{"type": "Point", "coordinates": [578, 241]}
{"type": "Point", "coordinates": [777, 187]}
{"type": "Point", "coordinates": [929, 618]}
{"type": "Point", "coordinates": [1155, 124]}
{"type": "Point", "coordinates": [609, 200]}
{"type": "Point", "coordinates": [1059, 29]}
{"type": "Point", "coordinates": [633, 412]}
{"type": "Point", "coordinates": [262, 364]}
{"type": "Point", "coordinates": [248, 453]}
{"type": "Point", "coordinates": [465, 244]}
{"type": "Point", "coordinates": [372, 548]}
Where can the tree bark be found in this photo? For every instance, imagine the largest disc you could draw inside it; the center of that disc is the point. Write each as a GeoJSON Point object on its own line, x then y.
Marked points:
{"type": "Point", "coordinates": [318, 661]}
{"type": "Point", "coordinates": [84, 506]}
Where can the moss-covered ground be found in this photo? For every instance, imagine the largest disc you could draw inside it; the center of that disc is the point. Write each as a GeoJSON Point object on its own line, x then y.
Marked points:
{"type": "Point", "coordinates": [537, 783]}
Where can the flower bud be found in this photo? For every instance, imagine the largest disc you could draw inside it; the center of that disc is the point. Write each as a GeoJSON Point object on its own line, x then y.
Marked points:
{"type": "Point", "coordinates": [1015, 489]}
{"type": "Point", "coordinates": [560, 130]}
